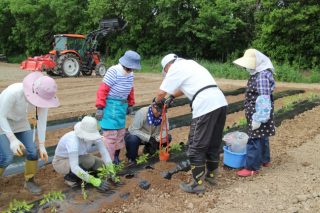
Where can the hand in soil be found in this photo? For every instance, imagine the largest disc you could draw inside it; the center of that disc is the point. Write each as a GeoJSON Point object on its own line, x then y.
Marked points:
{"type": "Point", "coordinates": [104, 186]}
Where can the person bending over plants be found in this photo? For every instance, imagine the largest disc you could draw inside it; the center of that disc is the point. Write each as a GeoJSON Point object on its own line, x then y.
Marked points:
{"type": "Point", "coordinates": [145, 130]}
{"type": "Point", "coordinates": [36, 94]}
{"type": "Point", "coordinates": [72, 156]}
{"type": "Point", "coordinates": [209, 109]}
{"type": "Point", "coordinates": [259, 107]}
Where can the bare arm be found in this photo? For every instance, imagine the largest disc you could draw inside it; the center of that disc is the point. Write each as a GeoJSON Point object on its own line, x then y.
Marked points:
{"type": "Point", "coordinates": [178, 93]}
{"type": "Point", "coordinates": [161, 94]}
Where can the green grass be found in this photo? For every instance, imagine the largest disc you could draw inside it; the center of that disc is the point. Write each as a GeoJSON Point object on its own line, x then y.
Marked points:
{"type": "Point", "coordinates": [284, 72]}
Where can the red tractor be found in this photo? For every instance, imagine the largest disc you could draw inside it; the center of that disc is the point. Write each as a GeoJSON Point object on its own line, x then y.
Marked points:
{"type": "Point", "coordinates": [74, 53]}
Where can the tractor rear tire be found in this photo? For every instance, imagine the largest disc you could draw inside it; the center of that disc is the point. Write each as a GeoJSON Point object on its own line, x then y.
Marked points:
{"type": "Point", "coordinates": [69, 65]}
{"type": "Point", "coordinates": [100, 69]}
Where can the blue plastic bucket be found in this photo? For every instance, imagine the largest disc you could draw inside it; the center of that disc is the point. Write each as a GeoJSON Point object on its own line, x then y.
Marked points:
{"type": "Point", "coordinates": [232, 159]}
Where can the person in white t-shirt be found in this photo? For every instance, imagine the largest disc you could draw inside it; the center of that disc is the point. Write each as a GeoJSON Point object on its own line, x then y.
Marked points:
{"type": "Point", "coordinates": [72, 156]}
{"type": "Point", "coordinates": [209, 109]}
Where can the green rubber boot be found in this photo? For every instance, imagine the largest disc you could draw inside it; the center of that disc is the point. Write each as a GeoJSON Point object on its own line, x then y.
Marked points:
{"type": "Point", "coordinates": [1, 171]}
{"type": "Point", "coordinates": [31, 168]}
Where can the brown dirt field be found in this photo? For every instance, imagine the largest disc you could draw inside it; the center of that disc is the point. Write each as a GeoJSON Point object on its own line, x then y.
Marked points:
{"type": "Point", "coordinates": [291, 184]}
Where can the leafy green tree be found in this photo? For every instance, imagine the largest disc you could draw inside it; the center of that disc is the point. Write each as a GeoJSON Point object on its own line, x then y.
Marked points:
{"type": "Point", "coordinates": [6, 23]}
{"type": "Point", "coordinates": [289, 31]}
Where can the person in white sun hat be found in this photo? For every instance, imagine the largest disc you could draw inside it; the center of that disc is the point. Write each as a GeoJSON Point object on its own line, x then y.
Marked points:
{"type": "Point", "coordinates": [72, 156]}
{"type": "Point", "coordinates": [35, 94]}
{"type": "Point", "coordinates": [209, 109]}
{"type": "Point", "coordinates": [259, 108]}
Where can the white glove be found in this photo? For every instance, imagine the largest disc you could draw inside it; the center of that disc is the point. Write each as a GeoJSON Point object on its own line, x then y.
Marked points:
{"type": "Point", "coordinates": [43, 152]}
{"type": "Point", "coordinates": [255, 125]}
{"type": "Point", "coordinates": [16, 146]}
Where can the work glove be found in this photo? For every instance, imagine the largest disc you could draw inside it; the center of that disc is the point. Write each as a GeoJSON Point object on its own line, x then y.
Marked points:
{"type": "Point", "coordinates": [169, 101]}
{"type": "Point", "coordinates": [99, 114]}
{"type": "Point", "coordinates": [152, 146]}
{"type": "Point", "coordinates": [16, 146]}
{"type": "Point", "coordinates": [129, 110]}
{"type": "Point", "coordinates": [104, 186]}
{"type": "Point", "coordinates": [255, 125]}
{"type": "Point", "coordinates": [101, 185]}
{"type": "Point", "coordinates": [43, 152]}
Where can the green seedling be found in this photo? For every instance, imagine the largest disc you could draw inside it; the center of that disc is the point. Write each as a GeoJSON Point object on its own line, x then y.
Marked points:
{"type": "Point", "coordinates": [156, 153]}
{"type": "Point", "coordinates": [119, 167]}
{"type": "Point", "coordinates": [242, 122]}
{"type": "Point", "coordinates": [16, 206]}
{"type": "Point", "coordinates": [176, 147]}
{"type": "Point", "coordinates": [52, 197]}
{"type": "Point", "coordinates": [142, 159]}
{"type": "Point", "coordinates": [109, 171]}
{"type": "Point", "coordinates": [83, 186]}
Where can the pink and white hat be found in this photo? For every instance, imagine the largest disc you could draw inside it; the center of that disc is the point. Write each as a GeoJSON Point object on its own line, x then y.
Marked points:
{"type": "Point", "coordinates": [40, 90]}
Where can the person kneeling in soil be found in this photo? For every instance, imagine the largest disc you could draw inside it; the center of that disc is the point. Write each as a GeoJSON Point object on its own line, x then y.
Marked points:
{"type": "Point", "coordinates": [145, 130]}
{"type": "Point", "coordinates": [72, 156]}
{"type": "Point", "coordinates": [259, 107]}
{"type": "Point", "coordinates": [36, 93]}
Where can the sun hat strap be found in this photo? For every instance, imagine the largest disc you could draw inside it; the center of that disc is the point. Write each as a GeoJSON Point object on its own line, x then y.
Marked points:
{"type": "Point", "coordinates": [34, 124]}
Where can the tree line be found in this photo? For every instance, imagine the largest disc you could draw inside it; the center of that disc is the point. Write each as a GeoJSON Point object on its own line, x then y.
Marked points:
{"type": "Point", "coordinates": [286, 30]}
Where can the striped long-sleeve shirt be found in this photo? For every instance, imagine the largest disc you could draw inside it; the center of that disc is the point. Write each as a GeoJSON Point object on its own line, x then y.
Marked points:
{"type": "Point", "coordinates": [119, 82]}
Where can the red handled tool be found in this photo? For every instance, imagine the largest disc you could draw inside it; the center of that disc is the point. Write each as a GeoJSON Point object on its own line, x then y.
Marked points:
{"type": "Point", "coordinates": [164, 154]}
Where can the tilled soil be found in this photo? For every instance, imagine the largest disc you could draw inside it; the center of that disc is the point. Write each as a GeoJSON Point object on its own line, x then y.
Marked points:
{"type": "Point", "coordinates": [291, 184]}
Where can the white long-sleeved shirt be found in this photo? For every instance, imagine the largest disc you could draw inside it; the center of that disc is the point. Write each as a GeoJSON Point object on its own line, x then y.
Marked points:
{"type": "Point", "coordinates": [71, 147]}
{"type": "Point", "coordinates": [14, 109]}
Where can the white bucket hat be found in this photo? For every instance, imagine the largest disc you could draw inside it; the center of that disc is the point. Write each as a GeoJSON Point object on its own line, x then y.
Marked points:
{"type": "Point", "coordinates": [87, 129]}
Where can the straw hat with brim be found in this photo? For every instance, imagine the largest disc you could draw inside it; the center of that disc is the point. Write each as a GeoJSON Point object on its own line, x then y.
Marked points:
{"type": "Point", "coordinates": [40, 90]}
{"type": "Point", "coordinates": [248, 60]}
{"type": "Point", "coordinates": [87, 129]}
{"type": "Point", "coordinates": [131, 60]}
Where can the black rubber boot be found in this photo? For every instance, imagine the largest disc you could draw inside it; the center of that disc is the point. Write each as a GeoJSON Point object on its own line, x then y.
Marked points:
{"type": "Point", "coordinates": [116, 159]}
{"type": "Point", "coordinates": [212, 171]}
{"type": "Point", "coordinates": [195, 186]}
{"type": "Point", "coordinates": [72, 180]}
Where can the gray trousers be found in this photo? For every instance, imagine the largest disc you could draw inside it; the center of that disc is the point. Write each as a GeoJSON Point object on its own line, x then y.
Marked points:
{"type": "Point", "coordinates": [87, 162]}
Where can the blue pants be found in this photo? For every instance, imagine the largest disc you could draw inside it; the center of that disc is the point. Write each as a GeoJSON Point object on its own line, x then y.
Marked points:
{"type": "Point", "coordinates": [132, 145]}
{"type": "Point", "coordinates": [6, 155]}
{"type": "Point", "coordinates": [258, 152]}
